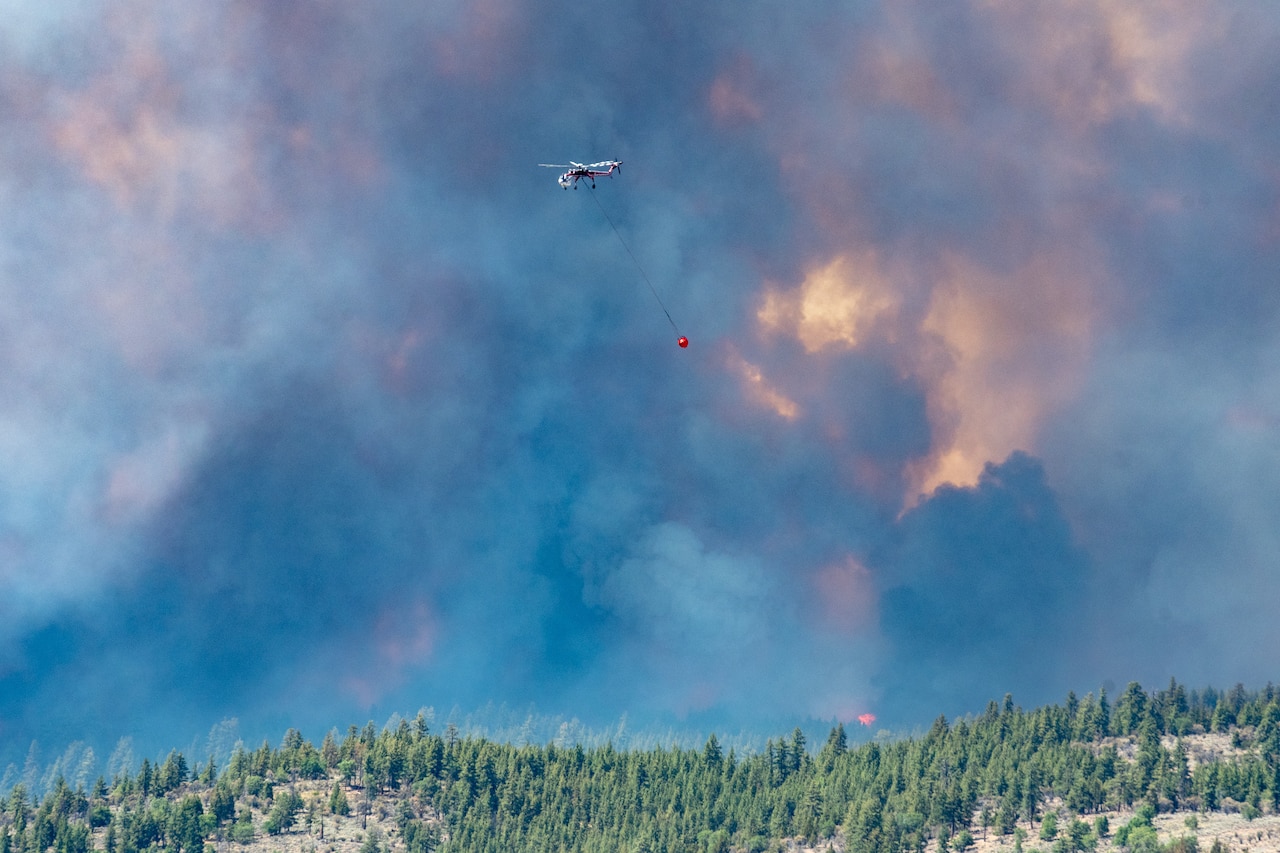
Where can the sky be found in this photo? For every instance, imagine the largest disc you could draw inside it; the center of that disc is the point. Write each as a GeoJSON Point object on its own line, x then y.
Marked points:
{"type": "Point", "coordinates": [320, 399]}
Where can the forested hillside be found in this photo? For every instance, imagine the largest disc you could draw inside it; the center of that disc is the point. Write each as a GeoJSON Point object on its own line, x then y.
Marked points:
{"type": "Point", "coordinates": [1065, 778]}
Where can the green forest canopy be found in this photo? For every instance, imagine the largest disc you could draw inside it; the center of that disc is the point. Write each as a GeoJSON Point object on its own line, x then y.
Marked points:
{"type": "Point", "coordinates": [978, 774]}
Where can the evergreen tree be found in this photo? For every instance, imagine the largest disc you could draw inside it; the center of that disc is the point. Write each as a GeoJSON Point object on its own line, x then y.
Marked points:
{"type": "Point", "coordinates": [797, 754]}
{"type": "Point", "coordinates": [186, 829]}
{"type": "Point", "coordinates": [338, 801]}
{"type": "Point", "coordinates": [18, 808]}
{"type": "Point", "coordinates": [283, 814]}
{"type": "Point", "coordinates": [902, 796]}
{"type": "Point", "coordinates": [837, 745]}
{"type": "Point", "coordinates": [171, 774]}
{"type": "Point", "coordinates": [222, 803]}
{"type": "Point", "coordinates": [1049, 827]}
{"type": "Point", "coordinates": [1131, 711]}
{"type": "Point", "coordinates": [711, 753]}
{"type": "Point", "coordinates": [329, 749]}
{"type": "Point", "coordinates": [145, 778]}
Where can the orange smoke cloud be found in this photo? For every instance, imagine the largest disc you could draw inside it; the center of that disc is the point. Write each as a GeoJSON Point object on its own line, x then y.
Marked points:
{"type": "Point", "coordinates": [1086, 61]}
{"type": "Point", "coordinates": [136, 130]}
{"type": "Point", "coordinates": [761, 391]}
{"type": "Point", "coordinates": [996, 352]}
{"type": "Point", "coordinates": [730, 98]}
{"type": "Point", "coordinates": [836, 304]}
{"type": "Point", "coordinates": [404, 637]}
{"type": "Point", "coordinates": [846, 596]}
{"type": "Point", "coordinates": [472, 35]}
{"type": "Point", "coordinates": [125, 132]}
{"type": "Point", "coordinates": [1004, 339]}
{"type": "Point", "coordinates": [892, 69]}
{"type": "Point", "coordinates": [1016, 347]}
{"type": "Point", "coordinates": [867, 719]}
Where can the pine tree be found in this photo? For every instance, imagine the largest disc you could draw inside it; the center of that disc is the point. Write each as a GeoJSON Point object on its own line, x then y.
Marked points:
{"type": "Point", "coordinates": [711, 753]}
{"type": "Point", "coordinates": [338, 801]}
{"type": "Point", "coordinates": [283, 813]}
{"type": "Point", "coordinates": [222, 803]}
{"type": "Point", "coordinates": [145, 778]}
{"type": "Point", "coordinates": [186, 830]}
{"type": "Point", "coordinates": [838, 741]}
{"type": "Point", "coordinates": [171, 774]}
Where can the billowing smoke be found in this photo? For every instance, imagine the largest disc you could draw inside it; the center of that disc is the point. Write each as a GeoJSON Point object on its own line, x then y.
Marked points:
{"type": "Point", "coordinates": [319, 400]}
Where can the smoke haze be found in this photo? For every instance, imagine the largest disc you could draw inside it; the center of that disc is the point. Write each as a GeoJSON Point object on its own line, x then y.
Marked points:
{"type": "Point", "coordinates": [318, 398]}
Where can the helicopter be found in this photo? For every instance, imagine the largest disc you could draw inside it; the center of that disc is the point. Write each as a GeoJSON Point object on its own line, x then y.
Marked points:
{"type": "Point", "coordinates": [578, 172]}
{"type": "Point", "coordinates": [589, 172]}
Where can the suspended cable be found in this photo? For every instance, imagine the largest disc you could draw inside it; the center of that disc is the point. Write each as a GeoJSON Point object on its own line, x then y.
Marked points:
{"type": "Point", "coordinates": [680, 339]}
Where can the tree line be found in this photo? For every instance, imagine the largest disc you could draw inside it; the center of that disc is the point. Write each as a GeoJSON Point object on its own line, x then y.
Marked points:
{"type": "Point", "coordinates": [996, 773]}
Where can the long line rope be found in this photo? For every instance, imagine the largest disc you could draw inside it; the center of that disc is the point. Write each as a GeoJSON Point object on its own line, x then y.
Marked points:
{"type": "Point", "coordinates": [652, 289]}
